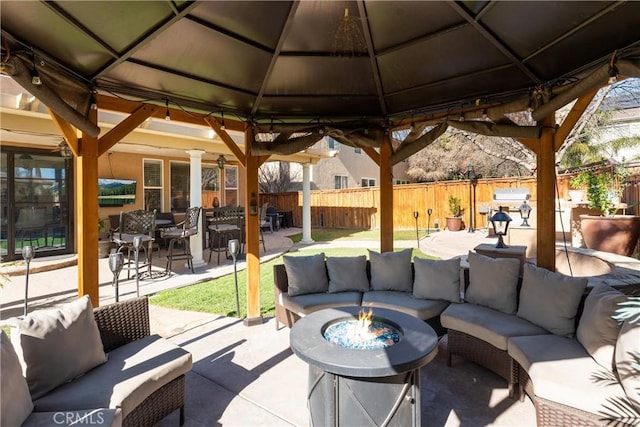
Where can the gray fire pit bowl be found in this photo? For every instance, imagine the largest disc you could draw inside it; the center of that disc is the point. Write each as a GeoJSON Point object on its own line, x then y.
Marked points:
{"type": "Point", "coordinates": [363, 387]}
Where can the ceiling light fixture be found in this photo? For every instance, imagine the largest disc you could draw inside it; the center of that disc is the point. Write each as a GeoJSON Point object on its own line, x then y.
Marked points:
{"type": "Point", "coordinates": [222, 126]}
{"type": "Point", "coordinates": [271, 128]}
{"type": "Point", "coordinates": [167, 114]}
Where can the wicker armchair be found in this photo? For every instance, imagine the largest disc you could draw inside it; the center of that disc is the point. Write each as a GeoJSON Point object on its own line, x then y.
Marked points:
{"type": "Point", "coordinates": [125, 322]}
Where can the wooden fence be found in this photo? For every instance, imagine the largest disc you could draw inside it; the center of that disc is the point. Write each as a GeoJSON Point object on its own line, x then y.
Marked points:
{"type": "Point", "coordinates": [359, 207]}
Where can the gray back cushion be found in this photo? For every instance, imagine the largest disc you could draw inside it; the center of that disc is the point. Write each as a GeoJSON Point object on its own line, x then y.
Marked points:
{"type": "Point", "coordinates": [15, 401]}
{"type": "Point", "coordinates": [550, 300]}
{"type": "Point", "coordinates": [391, 271]}
{"type": "Point", "coordinates": [493, 282]}
{"type": "Point", "coordinates": [59, 344]}
{"type": "Point", "coordinates": [597, 329]}
{"type": "Point", "coordinates": [306, 274]}
{"type": "Point", "coordinates": [437, 279]}
{"type": "Point", "coordinates": [347, 274]}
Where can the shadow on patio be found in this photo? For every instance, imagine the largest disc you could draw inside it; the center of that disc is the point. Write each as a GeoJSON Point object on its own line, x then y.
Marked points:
{"type": "Point", "coordinates": [248, 376]}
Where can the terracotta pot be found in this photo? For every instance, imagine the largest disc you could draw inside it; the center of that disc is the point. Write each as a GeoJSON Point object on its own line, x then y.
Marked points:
{"type": "Point", "coordinates": [617, 234]}
{"type": "Point", "coordinates": [104, 247]}
{"type": "Point", "coordinates": [454, 223]}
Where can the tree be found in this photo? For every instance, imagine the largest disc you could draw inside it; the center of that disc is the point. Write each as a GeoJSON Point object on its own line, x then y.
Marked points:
{"type": "Point", "coordinates": [450, 154]}
{"type": "Point", "coordinates": [277, 177]}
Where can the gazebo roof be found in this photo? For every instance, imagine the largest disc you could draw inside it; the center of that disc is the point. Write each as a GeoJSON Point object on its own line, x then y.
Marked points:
{"type": "Point", "coordinates": [322, 61]}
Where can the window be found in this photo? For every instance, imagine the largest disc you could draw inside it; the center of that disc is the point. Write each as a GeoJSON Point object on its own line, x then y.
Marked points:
{"type": "Point", "coordinates": [152, 178]}
{"type": "Point", "coordinates": [332, 144]}
{"type": "Point", "coordinates": [341, 181]}
{"type": "Point", "coordinates": [368, 182]}
{"type": "Point", "coordinates": [231, 185]}
{"type": "Point", "coordinates": [401, 182]}
{"type": "Point", "coordinates": [180, 186]}
{"type": "Point", "coordinates": [357, 150]}
{"type": "Point", "coordinates": [211, 186]}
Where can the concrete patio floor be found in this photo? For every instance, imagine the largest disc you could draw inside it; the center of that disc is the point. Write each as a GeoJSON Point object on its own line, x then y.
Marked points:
{"type": "Point", "coordinates": [248, 376]}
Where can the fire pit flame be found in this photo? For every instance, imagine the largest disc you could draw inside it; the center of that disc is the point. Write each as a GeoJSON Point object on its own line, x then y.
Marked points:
{"type": "Point", "coordinates": [363, 333]}
{"type": "Point", "coordinates": [365, 319]}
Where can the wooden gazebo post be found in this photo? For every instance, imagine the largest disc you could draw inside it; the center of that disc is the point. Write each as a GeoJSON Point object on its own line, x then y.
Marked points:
{"type": "Point", "coordinates": [386, 194]}
{"type": "Point", "coordinates": [86, 180]}
{"type": "Point", "coordinates": [252, 227]}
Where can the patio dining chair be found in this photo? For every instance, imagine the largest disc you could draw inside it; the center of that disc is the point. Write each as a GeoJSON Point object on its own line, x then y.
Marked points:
{"type": "Point", "coordinates": [132, 224]}
{"type": "Point", "coordinates": [181, 235]}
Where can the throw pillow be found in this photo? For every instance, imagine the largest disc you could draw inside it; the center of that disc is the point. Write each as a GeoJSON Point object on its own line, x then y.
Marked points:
{"type": "Point", "coordinates": [626, 357]}
{"type": "Point", "coordinates": [347, 274]}
{"type": "Point", "coordinates": [306, 274]}
{"type": "Point", "coordinates": [437, 279]}
{"type": "Point", "coordinates": [493, 282]}
{"type": "Point", "coordinates": [16, 404]}
{"type": "Point", "coordinates": [598, 330]}
{"type": "Point", "coordinates": [550, 300]}
{"type": "Point", "coordinates": [57, 345]}
{"type": "Point", "coordinates": [391, 271]}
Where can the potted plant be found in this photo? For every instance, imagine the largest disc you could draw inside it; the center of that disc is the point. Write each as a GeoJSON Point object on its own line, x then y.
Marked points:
{"type": "Point", "coordinates": [104, 242]}
{"type": "Point", "coordinates": [454, 220]}
{"type": "Point", "coordinates": [578, 185]}
{"type": "Point", "coordinates": [609, 232]}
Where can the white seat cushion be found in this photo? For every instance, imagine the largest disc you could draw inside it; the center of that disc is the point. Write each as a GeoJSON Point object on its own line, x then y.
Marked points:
{"type": "Point", "coordinates": [492, 326]}
{"type": "Point", "coordinates": [133, 372]}
{"type": "Point", "coordinates": [405, 302]}
{"type": "Point", "coordinates": [562, 371]}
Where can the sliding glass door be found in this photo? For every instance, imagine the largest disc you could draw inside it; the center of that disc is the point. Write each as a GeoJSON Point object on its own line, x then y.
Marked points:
{"type": "Point", "coordinates": [35, 198]}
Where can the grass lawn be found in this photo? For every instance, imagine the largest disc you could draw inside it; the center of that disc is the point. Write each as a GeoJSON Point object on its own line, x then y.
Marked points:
{"type": "Point", "coordinates": [341, 234]}
{"type": "Point", "coordinates": [218, 296]}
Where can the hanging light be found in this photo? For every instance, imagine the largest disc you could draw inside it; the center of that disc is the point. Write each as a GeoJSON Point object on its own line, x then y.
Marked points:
{"type": "Point", "coordinates": [167, 114]}
{"type": "Point", "coordinates": [271, 128]}
{"type": "Point", "coordinates": [613, 74]}
{"type": "Point", "coordinates": [222, 126]}
{"type": "Point", "coordinates": [221, 161]}
{"type": "Point", "coordinates": [35, 77]}
{"type": "Point", "coordinates": [500, 222]}
{"type": "Point", "coordinates": [65, 151]}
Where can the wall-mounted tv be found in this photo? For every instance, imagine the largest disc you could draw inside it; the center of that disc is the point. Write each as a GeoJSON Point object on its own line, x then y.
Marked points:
{"type": "Point", "coordinates": [116, 192]}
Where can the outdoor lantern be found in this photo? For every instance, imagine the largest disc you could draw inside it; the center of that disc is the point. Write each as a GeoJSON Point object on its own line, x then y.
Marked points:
{"type": "Point", "coordinates": [525, 211]}
{"type": "Point", "coordinates": [221, 161]}
{"type": "Point", "coordinates": [234, 250]}
{"type": "Point", "coordinates": [27, 253]}
{"type": "Point", "coordinates": [500, 221]}
{"type": "Point", "coordinates": [116, 262]}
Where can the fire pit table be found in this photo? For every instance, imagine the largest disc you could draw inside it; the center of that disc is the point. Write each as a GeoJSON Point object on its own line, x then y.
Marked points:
{"type": "Point", "coordinates": [369, 378]}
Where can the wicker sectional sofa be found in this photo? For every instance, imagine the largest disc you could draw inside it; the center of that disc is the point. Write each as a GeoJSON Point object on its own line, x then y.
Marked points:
{"type": "Point", "coordinates": [73, 365]}
{"type": "Point", "coordinates": [546, 334]}
{"type": "Point", "coordinates": [356, 281]}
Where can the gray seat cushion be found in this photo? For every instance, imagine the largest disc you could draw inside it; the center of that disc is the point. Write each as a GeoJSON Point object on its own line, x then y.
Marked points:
{"type": "Point", "coordinates": [405, 302]}
{"type": "Point", "coordinates": [102, 417]}
{"type": "Point", "coordinates": [562, 371]}
{"type": "Point", "coordinates": [133, 372]}
{"type": "Point", "coordinates": [492, 326]}
{"type": "Point", "coordinates": [308, 303]}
